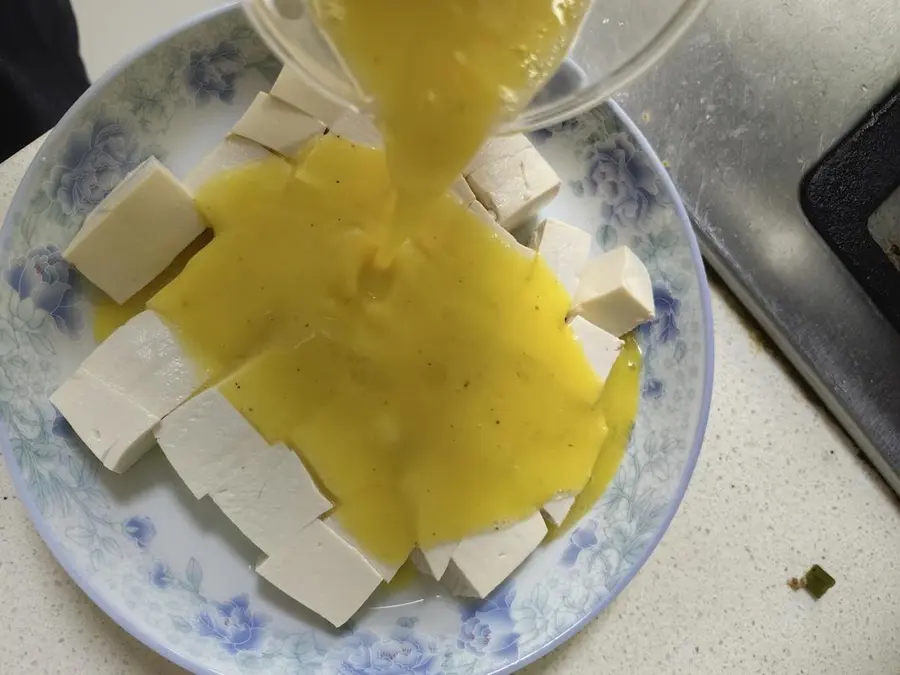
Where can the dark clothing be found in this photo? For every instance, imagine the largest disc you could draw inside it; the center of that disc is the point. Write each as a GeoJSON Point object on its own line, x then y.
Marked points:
{"type": "Point", "coordinates": [41, 72]}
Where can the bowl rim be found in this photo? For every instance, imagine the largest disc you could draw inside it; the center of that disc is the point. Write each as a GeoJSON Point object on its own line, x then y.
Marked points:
{"type": "Point", "coordinates": [66, 561]}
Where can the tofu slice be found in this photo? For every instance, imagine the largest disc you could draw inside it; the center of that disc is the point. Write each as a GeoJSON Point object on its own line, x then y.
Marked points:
{"type": "Point", "coordinates": [435, 560]}
{"type": "Point", "coordinates": [293, 90]}
{"type": "Point", "coordinates": [566, 249]}
{"type": "Point", "coordinates": [386, 570]}
{"type": "Point", "coordinates": [515, 188]}
{"type": "Point", "coordinates": [277, 126]}
{"type": "Point", "coordinates": [601, 348]}
{"type": "Point", "coordinates": [461, 191]}
{"type": "Point", "coordinates": [615, 292]}
{"type": "Point", "coordinates": [497, 149]}
{"type": "Point", "coordinates": [270, 497]}
{"type": "Point", "coordinates": [356, 128]}
{"type": "Point", "coordinates": [487, 217]}
{"type": "Point", "coordinates": [536, 236]}
{"type": "Point", "coordinates": [206, 439]}
{"type": "Point", "coordinates": [125, 387]}
{"type": "Point", "coordinates": [482, 562]}
{"type": "Point", "coordinates": [322, 572]}
{"type": "Point", "coordinates": [558, 508]}
{"type": "Point", "coordinates": [231, 153]}
{"type": "Point", "coordinates": [136, 231]}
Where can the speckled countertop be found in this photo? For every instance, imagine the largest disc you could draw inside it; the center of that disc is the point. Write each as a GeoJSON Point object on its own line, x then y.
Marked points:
{"type": "Point", "coordinates": [778, 488]}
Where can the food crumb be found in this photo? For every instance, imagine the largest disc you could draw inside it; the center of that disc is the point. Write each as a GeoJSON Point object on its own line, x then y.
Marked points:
{"type": "Point", "coordinates": [816, 581]}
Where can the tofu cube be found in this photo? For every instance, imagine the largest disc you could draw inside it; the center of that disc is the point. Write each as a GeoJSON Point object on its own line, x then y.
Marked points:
{"type": "Point", "coordinates": [293, 90]}
{"type": "Point", "coordinates": [536, 236]}
{"type": "Point", "coordinates": [205, 439]}
{"type": "Point", "coordinates": [565, 249]}
{"type": "Point", "coordinates": [320, 570]}
{"type": "Point", "coordinates": [515, 188]}
{"type": "Point", "coordinates": [482, 562]}
{"type": "Point", "coordinates": [109, 423]}
{"type": "Point", "coordinates": [435, 560]}
{"type": "Point", "coordinates": [462, 193]}
{"type": "Point", "coordinates": [270, 496]}
{"type": "Point", "coordinates": [601, 348]}
{"type": "Point", "coordinates": [615, 292]}
{"type": "Point", "coordinates": [558, 508]}
{"type": "Point", "coordinates": [136, 231]}
{"type": "Point", "coordinates": [125, 387]}
{"type": "Point", "coordinates": [387, 570]}
{"type": "Point", "coordinates": [498, 149]}
{"type": "Point", "coordinates": [485, 216]}
{"type": "Point", "coordinates": [231, 153]}
{"type": "Point", "coordinates": [277, 126]}
{"type": "Point", "coordinates": [356, 128]}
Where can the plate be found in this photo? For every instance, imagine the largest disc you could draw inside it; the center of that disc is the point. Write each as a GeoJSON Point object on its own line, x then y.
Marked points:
{"type": "Point", "coordinates": [172, 570]}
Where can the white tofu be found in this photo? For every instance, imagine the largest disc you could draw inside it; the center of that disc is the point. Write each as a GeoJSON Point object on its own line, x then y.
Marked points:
{"type": "Point", "coordinates": [356, 128]}
{"type": "Point", "coordinates": [387, 570]}
{"type": "Point", "coordinates": [488, 219]}
{"type": "Point", "coordinates": [125, 387]}
{"type": "Point", "coordinates": [482, 562]}
{"type": "Point", "coordinates": [615, 292]}
{"type": "Point", "coordinates": [231, 153]}
{"type": "Point", "coordinates": [435, 560]}
{"type": "Point", "coordinates": [498, 149]}
{"type": "Point", "coordinates": [293, 90]}
{"type": "Point", "coordinates": [601, 348]}
{"type": "Point", "coordinates": [270, 497]}
{"type": "Point", "coordinates": [566, 250]}
{"type": "Point", "coordinates": [136, 231]}
{"type": "Point", "coordinates": [515, 188]}
{"type": "Point", "coordinates": [536, 236]}
{"type": "Point", "coordinates": [461, 192]}
{"type": "Point", "coordinates": [321, 571]}
{"type": "Point", "coordinates": [109, 423]}
{"type": "Point", "coordinates": [206, 439]}
{"type": "Point", "coordinates": [558, 508]}
{"type": "Point", "coordinates": [277, 126]}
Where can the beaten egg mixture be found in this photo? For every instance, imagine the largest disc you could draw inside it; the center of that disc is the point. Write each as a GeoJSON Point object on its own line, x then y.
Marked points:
{"type": "Point", "coordinates": [443, 75]}
{"type": "Point", "coordinates": [419, 363]}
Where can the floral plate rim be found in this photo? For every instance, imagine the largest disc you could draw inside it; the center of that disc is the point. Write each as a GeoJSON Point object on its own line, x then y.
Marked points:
{"type": "Point", "coordinates": [96, 595]}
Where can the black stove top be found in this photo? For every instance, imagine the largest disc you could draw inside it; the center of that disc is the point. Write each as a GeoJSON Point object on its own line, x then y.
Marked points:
{"type": "Point", "coordinates": [851, 197]}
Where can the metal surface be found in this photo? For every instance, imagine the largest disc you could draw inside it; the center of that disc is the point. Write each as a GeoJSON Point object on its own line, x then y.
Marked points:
{"type": "Point", "coordinates": [740, 109]}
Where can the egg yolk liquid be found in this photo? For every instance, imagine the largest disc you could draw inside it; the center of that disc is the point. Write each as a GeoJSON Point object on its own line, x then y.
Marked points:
{"type": "Point", "coordinates": [440, 392]}
{"type": "Point", "coordinates": [443, 75]}
{"type": "Point", "coordinates": [454, 398]}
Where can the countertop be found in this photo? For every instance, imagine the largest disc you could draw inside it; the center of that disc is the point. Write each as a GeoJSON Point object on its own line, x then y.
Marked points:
{"type": "Point", "coordinates": [778, 488]}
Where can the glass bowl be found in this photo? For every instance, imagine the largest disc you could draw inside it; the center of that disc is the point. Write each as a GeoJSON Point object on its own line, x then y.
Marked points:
{"type": "Point", "coordinates": [617, 42]}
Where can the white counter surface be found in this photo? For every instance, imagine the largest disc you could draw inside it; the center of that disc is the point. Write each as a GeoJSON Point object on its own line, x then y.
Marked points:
{"type": "Point", "coordinates": [778, 488]}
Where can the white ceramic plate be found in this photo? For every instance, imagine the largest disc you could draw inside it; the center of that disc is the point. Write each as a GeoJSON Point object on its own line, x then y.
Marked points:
{"type": "Point", "coordinates": [173, 571]}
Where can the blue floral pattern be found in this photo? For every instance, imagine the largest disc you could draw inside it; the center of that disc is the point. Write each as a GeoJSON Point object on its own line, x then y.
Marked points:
{"type": "Point", "coordinates": [625, 179]}
{"type": "Point", "coordinates": [160, 575]}
{"type": "Point", "coordinates": [148, 556]}
{"type": "Point", "coordinates": [233, 624]}
{"type": "Point", "coordinates": [45, 284]}
{"type": "Point", "coordinates": [664, 327]}
{"type": "Point", "coordinates": [489, 630]}
{"type": "Point", "coordinates": [140, 529]}
{"type": "Point", "coordinates": [96, 159]}
{"type": "Point", "coordinates": [401, 652]}
{"type": "Point", "coordinates": [212, 73]}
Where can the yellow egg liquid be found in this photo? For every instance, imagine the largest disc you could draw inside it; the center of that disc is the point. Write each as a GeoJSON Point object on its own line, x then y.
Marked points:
{"type": "Point", "coordinates": [454, 399]}
{"type": "Point", "coordinates": [444, 74]}
{"type": "Point", "coordinates": [619, 403]}
{"type": "Point", "coordinates": [418, 362]}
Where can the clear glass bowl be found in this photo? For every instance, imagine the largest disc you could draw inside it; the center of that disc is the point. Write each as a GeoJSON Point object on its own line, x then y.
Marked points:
{"type": "Point", "coordinates": [617, 42]}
